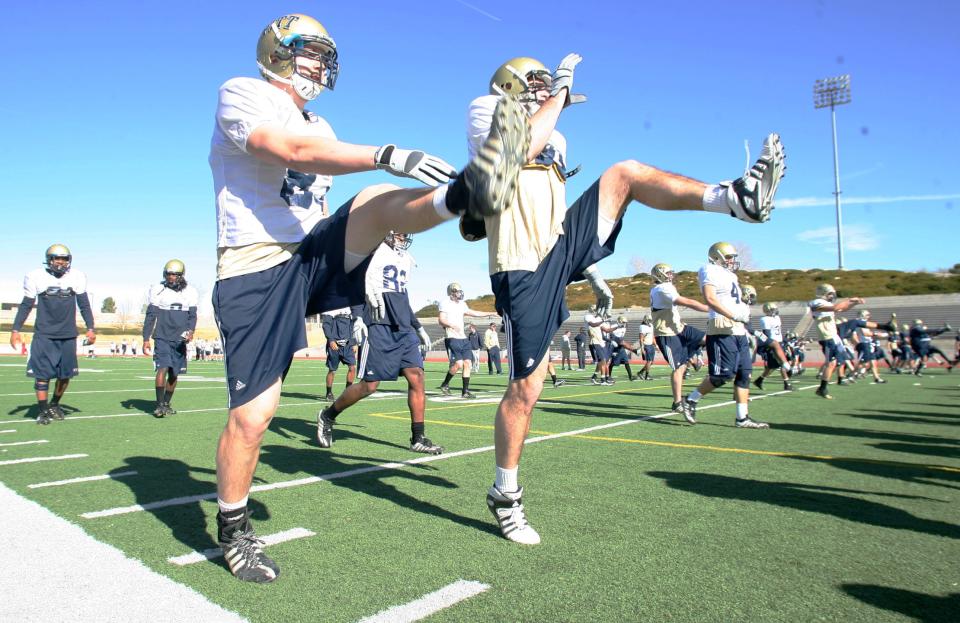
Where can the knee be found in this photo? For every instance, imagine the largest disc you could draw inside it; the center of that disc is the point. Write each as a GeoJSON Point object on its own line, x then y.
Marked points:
{"type": "Point", "coordinates": [41, 385]}
{"type": "Point", "coordinates": [630, 170]}
{"type": "Point", "coordinates": [717, 381]}
{"type": "Point", "coordinates": [249, 426]}
{"type": "Point", "coordinates": [370, 192]}
{"type": "Point", "coordinates": [742, 380]}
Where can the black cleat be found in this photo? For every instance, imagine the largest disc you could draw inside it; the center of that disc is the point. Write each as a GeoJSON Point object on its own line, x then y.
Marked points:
{"type": "Point", "coordinates": [243, 552]}
{"type": "Point", "coordinates": [325, 428]}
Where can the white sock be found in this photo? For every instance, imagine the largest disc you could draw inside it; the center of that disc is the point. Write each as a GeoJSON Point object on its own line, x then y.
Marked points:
{"type": "Point", "coordinates": [695, 396]}
{"type": "Point", "coordinates": [604, 228]}
{"type": "Point", "coordinates": [741, 411]}
{"type": "Point", "coordinates": [226, 507]}
{"type": "Point", "coordinates": [715, 199]}
{"type": "Point", "coordinates": [506, 479]}
{"type": "Point", "coordinates": [440, 203]}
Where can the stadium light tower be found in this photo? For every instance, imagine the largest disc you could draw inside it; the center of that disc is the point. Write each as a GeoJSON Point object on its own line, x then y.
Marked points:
{"type": "Point", "coordinates": [833, 92]}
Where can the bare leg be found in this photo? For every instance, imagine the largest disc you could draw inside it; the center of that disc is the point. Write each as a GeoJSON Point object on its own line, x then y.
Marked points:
{"type": "Point", "coordinates": [239, 448]}
{"type": "Point", "coordinates": [514, 416]}
{"type": "Point", "coordinates": [378, 209]}
{"type": "Point", "coordinates": [633, 181]}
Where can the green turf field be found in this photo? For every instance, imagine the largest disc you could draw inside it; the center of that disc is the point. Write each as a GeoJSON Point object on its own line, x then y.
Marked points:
{"type": "Point", "coordinates": [843, 511]}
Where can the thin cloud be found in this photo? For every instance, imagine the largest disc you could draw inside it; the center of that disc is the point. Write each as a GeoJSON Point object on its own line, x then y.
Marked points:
{"type": "Point", "coordinates": [810, 202]}
{"type": "Point", "coordinates": [479, 10]}
{"type": "Point", "coordinates": [855, 238]}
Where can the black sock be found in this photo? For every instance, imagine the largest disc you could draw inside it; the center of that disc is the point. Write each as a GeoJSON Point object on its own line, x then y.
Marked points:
{"type": "Point", "coordinates": [159, 391]}
{"type": "Point", "coordinates": [231, 521]}
{"type": "Point", "coordinates": [554, 377]}
{"type": "Point", "coordinates": [56, 399]}
{"type": "Point", "coordinates": [466, 384]}
{"type": "Point", "coordinates": [43, 404]}
{"type": "Point", "coordinates": [458, 196]}
{"type": "Point", "coordinates": [629, 371]}
{"type": "Point", "coordinates": [329, 389]}
{"type": "Point", "coordinates": [416, 429]}
{"type": "Point", "coordinates": [333, 412]}
{"type": "Point", "coordinates": [446, 379]}
{"type": "Point", "coordinates": [823, 386]}
{"type": "Point", "coordinates": [167, 395]}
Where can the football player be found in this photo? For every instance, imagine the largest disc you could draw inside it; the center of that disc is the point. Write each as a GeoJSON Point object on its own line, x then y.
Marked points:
{"type": "Point", "coordinates": [338, 330]}
{"type": "Point", "coordinates": [677, 341]}
{"type": "Point", "coordinates": [451, 314]}
{"type": "Point", "coordinates": [393, 345]}
{"type": "Point", "coordinates": [170, 321]}
{"type": "Point", "coordinates": [491, 341]}
{"type": "Point", "coordinates": [728, 350]}
{"type": "Point", "coordinates": [539, 246]}
{"type": "Point", "coordinates": [868, 348]}
{"type": "Point", "coordinates": [824, 309]}
{"type": "Point", "coordinates": [922, 344]}
{"type": "Point", "coordinates": [620, 348]}
{"type": "Point", "coordinates": [283, 254]}
{"type": "Point", "coordinates": [646, 347]}
{"type": "Point", "coordinates": [57, 290]}
{"type": "Point", "coordinates": [598, 328]}
{"type": "Point", "coordinates": [774, 355]}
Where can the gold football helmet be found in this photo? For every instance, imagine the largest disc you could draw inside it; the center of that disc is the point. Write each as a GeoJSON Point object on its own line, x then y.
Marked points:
{"type": "Point", "coordinates": [174, 273]}
{"type": "Point", "coordinates": [518, 75]}
{"type": "Point", "coordinates": [293, 37]}
{"type": "Point", "coordinates": [58, 252]}
{"type": "Point", "coordinates": [863, 314]}
{"type": "Point", "coordinates": [662, 273]}
{"type": "Point", "coordinates": [749, 295]}
{"type": "Point", "coordinates": [621, 319]}
{"type": "Point", "coordinates": [724, 254]}
{"type": "Point", "coordinates": [826, 291]}
{"type": "Point", "coordinates": [771, 309]}
{"type": "Point", "coordinates": [455, 291]}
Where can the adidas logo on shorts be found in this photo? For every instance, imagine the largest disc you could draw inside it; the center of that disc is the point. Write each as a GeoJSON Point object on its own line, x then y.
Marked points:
{"type": "Point", "coordinates": [239, 386]}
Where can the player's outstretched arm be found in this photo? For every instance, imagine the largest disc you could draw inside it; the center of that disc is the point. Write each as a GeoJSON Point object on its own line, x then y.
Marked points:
{"type": "Point", "coordinates": [328, 156]}
{"type": "Point", "coordinates": [691, 303]}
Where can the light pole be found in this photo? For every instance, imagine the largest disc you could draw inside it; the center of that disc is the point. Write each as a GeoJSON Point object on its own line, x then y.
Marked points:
{"type": "Point", "coordinates": [833, 92]}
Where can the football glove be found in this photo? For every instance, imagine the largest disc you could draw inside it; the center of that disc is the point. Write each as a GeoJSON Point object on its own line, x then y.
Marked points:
{"type": "Point", "coordinates": [425, 342]}
{"type": "Point", "coordinates": [414, 164]}
{"type": "Point", "coordinates": [600, 289]}
{"type": "Point", "coordinates": [743, 317]}
{"type": "Point", "coordinates": [375, 305]}
{"type": "Point", "coordinates": [563, 78]}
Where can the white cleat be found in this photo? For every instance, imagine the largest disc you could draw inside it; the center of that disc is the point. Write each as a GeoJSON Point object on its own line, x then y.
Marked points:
{"type": "Point", "coordinates": [750, 198]}
{"type": "Point", "coordinates": [507, 508]}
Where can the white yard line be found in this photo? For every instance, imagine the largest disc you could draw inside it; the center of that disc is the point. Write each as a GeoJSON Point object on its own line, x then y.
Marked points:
{"type": "Point", "coordinates": [216, 552]}
{"type": "Point", "coordinates": [300, 482]}
{"type": "Point", "coordinates": [23, 443]}
{"type": "Point", "coordinates": [429, 604]}
{"type": "Point", "coordinates": [38, 459]}
{"type": "Point", "coordinates": [94, 581]}
{"type": "Point", "coordinates": [70, 481]}
{"type": "Point", "coordinates": [9, 430]}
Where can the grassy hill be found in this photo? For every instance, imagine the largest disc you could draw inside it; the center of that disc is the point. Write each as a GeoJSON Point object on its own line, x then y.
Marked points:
{"type": "Point", "coordinates": [771, 285]}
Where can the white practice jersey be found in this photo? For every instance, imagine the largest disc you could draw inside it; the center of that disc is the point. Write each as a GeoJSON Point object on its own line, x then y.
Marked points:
{"type": "Point", "coordinates": [825, 321]}
{"type": "Point", "coordinates": [595, 332]}
{"type": "Point", "coordinates": [773, 325]}
{"type": "Point", "coordinates": [167, 299]}
{"type": "Point", "coordinates": [646, 334]}
{"type": "Point", "coordinates": [259, 201]}
{"type": "Point", "coordinates": [454, 311]}
{"type": "Point", "coordinates": [39, 281]}
{"type": "Point", "coordinates": [666, 316]}
{"type": "Point", "coordinates": [727, 289]}
{"type": "Point", "coordinates": [522, 235]}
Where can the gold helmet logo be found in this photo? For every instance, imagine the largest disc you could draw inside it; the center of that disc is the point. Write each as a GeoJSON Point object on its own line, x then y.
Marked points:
{"type": "Point", "coordinates": [520, 76]}
{"type": "Point", "coordinates": [297, 50]}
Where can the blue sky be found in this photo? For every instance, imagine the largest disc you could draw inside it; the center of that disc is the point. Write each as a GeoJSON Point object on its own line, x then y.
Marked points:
{"type": "Point", "coordinates": [109, 109]}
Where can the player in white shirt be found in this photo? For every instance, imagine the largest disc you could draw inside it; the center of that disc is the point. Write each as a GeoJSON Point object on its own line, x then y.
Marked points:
{"type": "Point", "coordinates": [772, 353]}
{"type": "Point", "coordinates": [451, 314]}
{"type": "Point", "coordinates": [646, 346]}
{"type": "Point", "coordinates": [728, 349]}
{"type": "Point", "coordinates": [598, 328]}
{"type": "Point", "coordinates": [58, 290]}
{"type": "Point", "coordinates": [170, 320]}
{"type": "Point", "coordinates": [539, 246]}
{"type": "Point", "coordinates": [284, 255]}
{"type": "Point", "coordinates": [392, 346]}
{"type": "Point", "coordinates": [677, 341]}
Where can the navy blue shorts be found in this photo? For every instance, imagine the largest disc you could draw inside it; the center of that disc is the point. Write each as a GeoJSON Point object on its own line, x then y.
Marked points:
{"type": "Point", "coordinates": [678, 349]}
{"type": "Point", "coordinates": [596, 351]}
{"type": "Point", "coordinates": [533, 304]}
{"type": "Point", "coordinates": [833, 351]}
{"type": "Point", "coordinates": [386, 352]}
{"type": "Point", "coordinates": [343, 354]}
{"type": "Point", "coordinates": [52, 358]}
{"type": "Point", "coordinates": [728, 354]}
{"type": "Point", "coordinates": [261, 315]}
{"type": "Point", "coordinates": [649, 353]}
{"type": "Point", "coordinates": [171, 355]}
{"type": "Point", "coordinates": [459, 349]}
{"type": "Point", "coordinates": [770, 360]}
{"type": "Point", "coordinates": [622, 357]}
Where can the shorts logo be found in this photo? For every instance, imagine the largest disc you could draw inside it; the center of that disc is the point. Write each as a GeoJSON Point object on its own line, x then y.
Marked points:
{"type": "Point", "coordinates": [239, 386]}
{"type": "Point", "coordinates": [530, 362]}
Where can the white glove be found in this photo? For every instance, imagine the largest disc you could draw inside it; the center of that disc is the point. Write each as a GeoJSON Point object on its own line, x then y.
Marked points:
{"type": "Point", "coordinates": [743, 317]}
{"type": "Point", "coordinates": [425, 342]}
{"type": "Point", "coordinates": [415, 164]}
{"type": "Point", "coordinates": [600, 290]}
{"type": "Point", "coordinates": [563, 77]}
{"type": "Point", "coordinates": [375, 305]}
